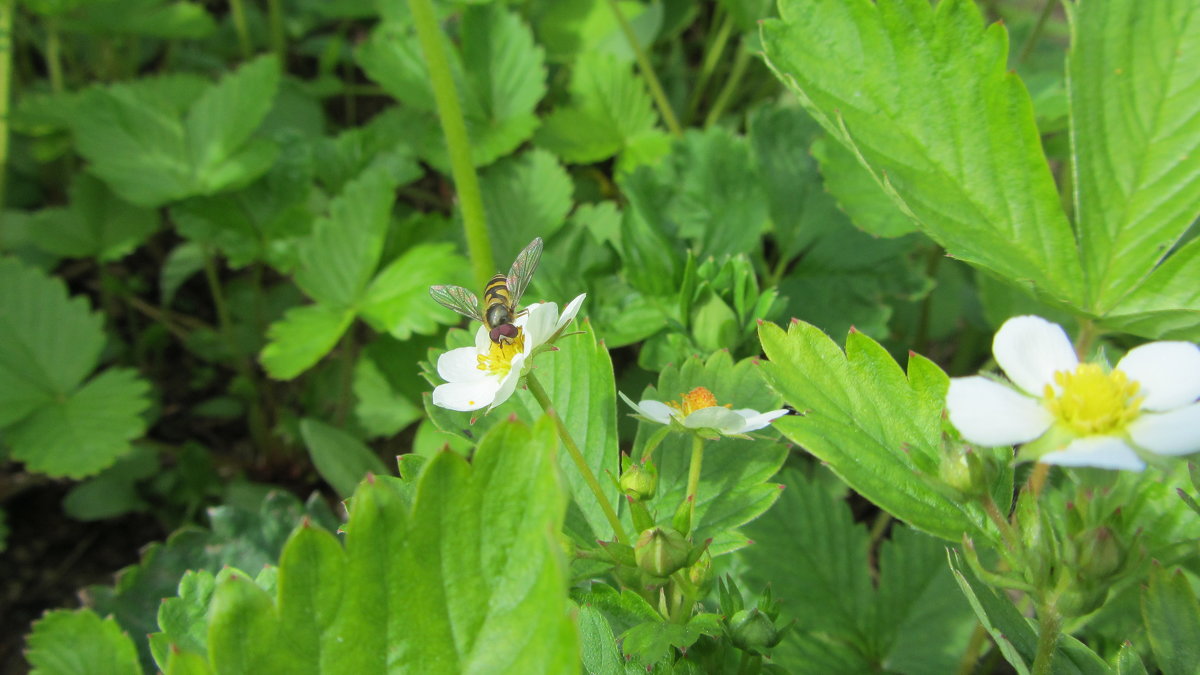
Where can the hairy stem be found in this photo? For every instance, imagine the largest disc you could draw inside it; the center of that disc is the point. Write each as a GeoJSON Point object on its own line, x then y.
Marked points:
{"type": "Point", "coordinates": [647, 71]}
{"type": "Point", "coordinates": [1049, 629]}
{"type": "Point", "coordinates": [694, 479]}
{"type": "Point", "coordinates": [543, 399]}
{"type": "Point", "coordinates": [458, 144]}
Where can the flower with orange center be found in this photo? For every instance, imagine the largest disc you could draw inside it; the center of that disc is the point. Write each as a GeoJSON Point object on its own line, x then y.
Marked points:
{"type": "Point", "coordinates": [1080, 414]}
{"type": "Point", "coordinates": [698, 409]}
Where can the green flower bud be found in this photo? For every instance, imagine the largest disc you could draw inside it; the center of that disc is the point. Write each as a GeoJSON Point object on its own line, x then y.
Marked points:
{"type": "Point", "coordinates": [1100, 555]}
{"type": "Point", "coordinates": [701, 572]}
{"type": "Point", "coordinates": [640, 482]}
{"type": "Point", "coordinates": [753, 631]}
{"type": "Point", "coordinates": [661, 551]}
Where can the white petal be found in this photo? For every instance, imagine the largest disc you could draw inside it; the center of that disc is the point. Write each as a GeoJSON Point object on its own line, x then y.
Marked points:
{"type": "Point", "coordinates": [570, 311]}
{"type": "Point", "coordinates": [716, 417]}
{"type": "Point", "coordinates": [756, 420]}
{"type": "Point", "coordinates": [1103, 452]}
{"type": "Point", "coordinates": [509, 384]}
{"type": "Point", "coordinates": [466, 395]}
{"type": "Point", "coordinates": [988, 413]}
{"type": "Point", "coordinates": [655, 410]}
{"type": "Point", "coordinates": [1171, 433]}
{"type": "Point", "coordinates": [1169, 373]}
{"type": "Point", "coordinates": [1030, 349]}
{"type": "Point", "coordinates": [460, 365]}
{"type": "Point", "coordinates": [482, 341]}
{"type": "Point", "coordinates": [539, 323]}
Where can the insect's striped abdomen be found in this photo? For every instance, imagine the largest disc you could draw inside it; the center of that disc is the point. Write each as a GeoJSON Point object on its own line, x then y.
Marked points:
{"type": "Point", "coordinates": [496, 301]}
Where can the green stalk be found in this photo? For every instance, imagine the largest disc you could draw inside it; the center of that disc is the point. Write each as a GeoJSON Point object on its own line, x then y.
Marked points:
{"type": "Point", "coordinates": [731, 83]}
{"type": "Point", "coordinates": [6, 17]}
{"type": "Point", "coordinates": [1049, 629]}
{"type": "Point", "coordinates": [694, 479]}
{"type": "Point", "coordinates": [647, 70]}
{"type": "Point", "coordinates": [238, 12]}
{"type": "Point", "coordinates": [458, 144]}
{"type": "Point", "coordinates": [712, 56]}
{"type": "Point", "coordinates": [543, 400]}
{"type": "Point", "coordinates": [54, 56]}
{"type": "Point", "coordinates": [1031, 40]}
{"type": "Point", "coordinates": [275, 20]}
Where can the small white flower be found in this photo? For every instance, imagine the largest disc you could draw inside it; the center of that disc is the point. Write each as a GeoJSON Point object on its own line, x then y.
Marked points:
{"type": "Point", "coordinates": [1079, 414]}
{"type": "Point", "coordinates": [698, 409]}
{"type": "Point", "coordinates": [486, 374]}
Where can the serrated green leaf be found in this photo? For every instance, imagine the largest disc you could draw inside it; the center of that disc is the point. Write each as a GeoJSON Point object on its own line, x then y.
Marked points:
{"type": "Point", "coordinates": [86, 431]}
{"type": "Point", "coordinates": [1167, 304]}
{"type": "Point", "coordinates": [863, 417]}
{"type": "Point", "coordinates": [150, 154]}
{"type": "Point", "coordinates": [304, 335]}
{"type": "Point", "coordinates": [651, 642]}
{"type": "Point", "coordinates": [609, 110]}
{"type": "Point", "coordinates": [1133, 71]}
{"type": "Point", "coordinates": [573, 29]}
{"type": "Point", "coordinates": [339, 258]}
{"type": "Point", "coordinates": [1172, 616]}
{"type": "Point", "coordinates": [382, 603]}
{"type": "Point", "coordinates": [341, 459]}
{"type": "Point", "coordinates": [876, 74]}
{"type": "Point", "coordinates": [114, 491]}
{"type": "Point", "coordinates": [524, 197]}
{"type": "Point", "coordinates": [397, 301]}
{"type": "Point", "coordinates": [65, 643]}
{"type": "Point", "coordinates": [97, 224]}
{"type": "Point", "coordinates": [797, 201]}
{"type": "Point", "coordinates": [600, 653]}
{"type": "Point", "coordinates": [499, 74]}
{"type": "Point", "coordinates": [380, 409]}
{"type": "Point", "coordinates": [186, 663]}
{"type": "Point", "coordinates": [857, 192]}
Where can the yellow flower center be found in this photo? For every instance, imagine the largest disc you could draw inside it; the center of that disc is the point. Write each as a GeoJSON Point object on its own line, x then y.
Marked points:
{"type": "Point", "coordinates": [498, 359]}
{"type": "Point", "coordinates": [1093, 401]}
{"type": "Point", "coordinates": [694, 400]}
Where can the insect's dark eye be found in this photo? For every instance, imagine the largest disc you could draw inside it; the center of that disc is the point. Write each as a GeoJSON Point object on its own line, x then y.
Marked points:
{"type": "Point", "coordinates": [507, 330]}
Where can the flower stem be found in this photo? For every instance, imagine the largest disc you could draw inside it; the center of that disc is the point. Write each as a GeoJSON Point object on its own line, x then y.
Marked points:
{"type": "Point", "coordinates": [54, 57]}
{"type": "Point", "coordinates": [275, 21]}
{"type": "Point", "coordinates": [736, 73]}
{"type": "Point", "coordinates": [1049, 629]}
{"type": "Point", "coordinates": [647, 70]}
{"type": "Point", "coordinates": [694, 480]}
{"type": "Point", "coordinates": [1037, 479]}
{"type": "Point", "coordinates": [712, 56]}
{"type": "Point", "coordinates": [543, 399]}
{"type": "Point", "coordinates": [458, 144]}
{"type": "Point", "coordinates": [238, 11]}
{"type": "Point", "coordinates": [6, 18]}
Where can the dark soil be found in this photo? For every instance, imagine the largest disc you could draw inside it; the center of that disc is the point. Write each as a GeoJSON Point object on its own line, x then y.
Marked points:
{"type": "Point", "coordinates": [50, 557]}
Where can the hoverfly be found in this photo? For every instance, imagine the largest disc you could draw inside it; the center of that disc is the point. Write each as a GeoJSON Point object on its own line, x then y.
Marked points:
{"type": "Point", "coordinates": [500, 296]}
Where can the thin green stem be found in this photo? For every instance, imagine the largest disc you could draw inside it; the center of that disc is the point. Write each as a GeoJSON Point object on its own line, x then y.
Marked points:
{"type": "Point", "coordinates": [6, 18]}
{"type": "Point", "coordinates": [1036, 33]}
{"type": "Point", "coordinates": [54, 57]}
{"type": "Point", "coordinates": [543, 399]}
{"type": "Point", "coordinates": [1049, 629]}
{"type": "Point", "coordinates": [275, 21]}
{"type": "Point", "coordinates": [740, 62]}
{"type": "Point", "coordinates": [1011, 539]}
{"type": "Point", "coordinates": [712, 56]}
{"type": "Point", "coordinates": [694, 479]}
{"type": "Point", "coordinates": [458, 144]}
{"type": "Point", "coordinates": [970, 657]}
{"type": "Point", "coordinates": [238, 11]}
{"type": "Point", "coordinates": [647, 70]}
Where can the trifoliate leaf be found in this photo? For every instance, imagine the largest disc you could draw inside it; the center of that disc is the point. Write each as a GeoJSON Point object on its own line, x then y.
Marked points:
{"type": "Point", "coordinates": [524, 197]}
{"type": "Point", "coordinates": [1135, 128]}
{"type": "Point", "coordinates": [609, 110]}
{"type": "Point", "coordinates": [877, 427]}
{"type": "Point", "coordinates": [499, 73]}
{"type": "Point", "coordinates": [397, 301]}
{"type": "Point", "coordinates": [301, 338]}
{"type": "Point", "coordinates": [340, 458]}
{"type": "Point", "coordinates": [150, 154]}
{"type": "Point", "coordinates": [97, 224]}
{"type": "Point", "coordinates": [65, 642]}
{"type": "Point", "coordinates": [925, 98]}
{"type": "Point", "coordinates": [85, 432]}
{"type": "Point", "coordinates": [438, 585]}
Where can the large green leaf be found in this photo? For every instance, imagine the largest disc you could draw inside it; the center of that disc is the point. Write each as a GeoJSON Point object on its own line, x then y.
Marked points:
{"type": "Point", "coordinates": [500, 76]}
{"type": "Point", "coordinates": [524, 197]}
{"type": "Point", "coordinates": [925, 99]}
{"type": "Point", "coordinates": [1172, 617]}
{"type": "Point", "coordinates": [97, 224]}
{"type": "Point", "coordinates": [342, 459]}
{"type": "Point", "coordinates": [454, 582]}
{"type": "Point", "coordinates": [817, 559]}
{"type": "Point", "coordinates": [68, 643]}
{"type": "Point", "coordinates": [877, 427]}
{"type": "Point", "coordinates": [150, 154]}
{"type": "Point", "coordinates": [1134, 73]}
{"type": "Point", "coordinates": [302, 337]}
{"type": "Point", "coordinates": [397, 301]}
{"type": "Point", "coordinates": [1167, 303]}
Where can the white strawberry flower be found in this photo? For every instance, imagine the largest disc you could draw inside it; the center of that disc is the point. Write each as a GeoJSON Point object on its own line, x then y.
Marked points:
{"type": "Point", "coordinates": [698, 409]}
{"type": "Point", "coordinates": [1080, 414]}
{"type": "Point", "coordinates": [486, 374]}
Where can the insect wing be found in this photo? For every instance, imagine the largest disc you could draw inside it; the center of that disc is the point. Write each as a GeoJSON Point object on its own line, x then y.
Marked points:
{"type": "Point", "coordinates": [458, 299]}
{"type": "Point", "coordinates": [522, 269]}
